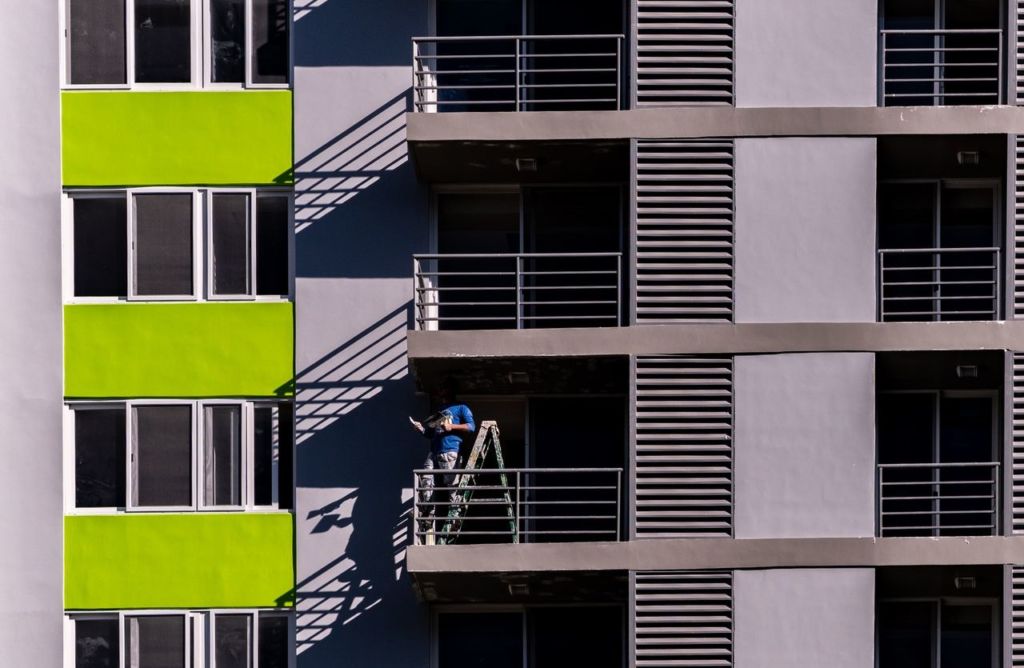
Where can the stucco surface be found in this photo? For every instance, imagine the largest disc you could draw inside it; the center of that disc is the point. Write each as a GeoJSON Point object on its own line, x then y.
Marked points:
{"type": "Point", "coordinates": [176, 138]}
{"type": "Point", "coordinates": [804, 618]}
{"type": "Point", "coordinates": [178, 350]}
{"type": "Point", "coordinates": [804, 445]}
{"type": "Point", "coordinates": [805, 230]}
{"type": "Point", "coordinates": [806, 53]}
{"type": "Point", "coordinates": [198, 560]}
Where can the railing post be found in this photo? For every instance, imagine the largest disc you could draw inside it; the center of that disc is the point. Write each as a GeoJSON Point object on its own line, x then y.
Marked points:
{"type": "Point", "coordinates": [518, 510]}
{"type": "Point", "coordinates": [1002, 88]}
{"type": "Point", "coordinates": [618, 74]}
{"type": "Point", "coordinates": [415, 509]}
{"type": "Point", "coordinates": [415, 76]}
{"type": "Point", "coordinates": [416, 308]}
{"type": "Point", "coordinates": [878, 500]}
{"type": "Point", "coordinates": [618, 505]}
{"type": "Point", "coordinates": [997, 290]}
{"type": "Point", "coordinates": [996, 500]}
{"type": "Point", "coordinates": [518, 51]}
{"type": "Point", "coordinates": [519, 296]}
{"type": "Point", "coordinates": [618, 290]}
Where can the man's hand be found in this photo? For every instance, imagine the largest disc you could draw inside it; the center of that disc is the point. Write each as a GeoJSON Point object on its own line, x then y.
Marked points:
{"type": "Point", "coordinates": [418, 426]}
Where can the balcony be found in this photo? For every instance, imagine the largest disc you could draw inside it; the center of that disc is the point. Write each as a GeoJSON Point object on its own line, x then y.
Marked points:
{"type": "Point", "coordinates": [517, 290]}
{"type": "Point", "coordinates": [939, 284]}
{"type": "Point", "coordinates": [939, 444]}
{"type": "Point", "coordinates": [941, 67]}
{"type": "Point", "coordinates": [517, 73]}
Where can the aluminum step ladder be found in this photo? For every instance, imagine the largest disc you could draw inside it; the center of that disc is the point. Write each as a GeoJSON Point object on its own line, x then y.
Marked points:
{"type": "Point", "coordinates": [488, 440]}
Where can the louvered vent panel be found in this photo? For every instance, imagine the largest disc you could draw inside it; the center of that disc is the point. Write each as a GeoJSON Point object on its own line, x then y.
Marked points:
{"type": "Point", "coordinates": [1017, 617]}
{"type": "Point", "coordinates": [683, 619]}
{"type": "Point", "coordinates": [683, 447]}
{"type": "Point", "coordinates": [1019, 57]}
{"type": "Point", "coordinates": [684, 52]}
{"type": "Point", "coordinates": [1018, 230]}
{"type": "Point", "coordinates": [684, 231]}
{"type": "Point", "coordinates": [1018, 444]}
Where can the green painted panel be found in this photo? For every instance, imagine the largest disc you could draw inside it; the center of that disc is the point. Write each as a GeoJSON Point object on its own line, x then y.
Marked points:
{"type": "Point", "coordinates": [194, 350]}
{"type": "Point", "coordinates": [176, 138]}
{"type": "Point", "coordinates": [178, 561]}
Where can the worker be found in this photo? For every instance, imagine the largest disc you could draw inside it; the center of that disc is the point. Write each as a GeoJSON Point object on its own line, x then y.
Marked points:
{"type": "Point", "coordinates": [445, 429]}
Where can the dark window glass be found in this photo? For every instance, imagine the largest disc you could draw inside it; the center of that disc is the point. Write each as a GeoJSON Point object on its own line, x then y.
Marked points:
{"type": "Point", "coordinates": [285, 433]}
{"type": "Point", "coordinates": [230, 239]}
{"type": "Point", "coordinates": [480, 640]}
{"type": "Point", "coordinates": [272, 244]}
{"type": "Point", "coordinates": [576, 636]}
{"type": "Point", "coordinates": [967, 636]}
{"type": "Point", "coordinates": [99, 457]}
{"type": "Point", "coordinates": [163, 244]}
{"type": "Point", "coordinates": [273, 641]}
{"type": "Point", "coordinates": [162, 456]}
{"type": "Point", "coordinates": [96, 42]}
{"type": "Point", "coordinates": [156, 642]}
{"type": "Point", "coordinates": [906, 634]}
{"type": "Point", "coordinates": [163, 48]}
{"type": "Point", "coordinates": [222, 465]}
{"type": "Point", "coordinates": [227, 27]}
{"type": "Point", "coordinates": [265, 452]}
{"type": "Point", "coordinates": [269, 55]}
{"type": "Point", "coordinates": [232, 640]}
{"type": "Point", "coordinates": [101, 246]}
{"type": "Point", "coordinates": [96, 643]}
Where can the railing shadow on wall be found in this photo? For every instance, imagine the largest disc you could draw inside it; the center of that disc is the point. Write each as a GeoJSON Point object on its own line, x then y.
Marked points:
{"type": "Point", "coordinates": [354, 390]}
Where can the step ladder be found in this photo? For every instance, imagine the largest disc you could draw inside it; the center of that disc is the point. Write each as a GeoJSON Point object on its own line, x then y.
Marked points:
{"type": "Point", "coordinates": [488, 440]}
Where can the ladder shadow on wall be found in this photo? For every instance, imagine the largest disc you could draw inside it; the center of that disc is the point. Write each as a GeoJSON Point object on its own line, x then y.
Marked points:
{"type": "Point", "coordinates": [350, 441]}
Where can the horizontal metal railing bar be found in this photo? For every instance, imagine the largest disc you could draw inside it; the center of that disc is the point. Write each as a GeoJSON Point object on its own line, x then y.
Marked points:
{"type": "Point", "coordinates": [950, 313]}
{"type": "Point", "coordinates": [933, 498]}
{"type": "Point", "coordinates": [965, 267]}
{"type": "Point", "coordinates": [492, 488]}
{"type": "Point", "coordinates": [939, 31]}
{"type": "Point", "coordinates": [939, 297]}
{"type": "Point", "coordinates": [521, 470]}
{"type": "Point", "coordinates": [509, 256]}
{"type": "Point", "coordinates": [940, 80]}
{"type": "Point", "coordinates": [939, 465]}
{"type": "Point", "coordinates": [522, 532]}
{"type": "Point", "coordinates": [904, 513]}
{"type": "Point", "coordinates": [939, 49]}
{"type": "Point", "coordinates": [937, 482]}
{"type": "Point", "coordinates": [484, 38]}
{"type": "Point", "coordinates": [965, 249]}
{"type": "Point", "coordinates": [928, 94]}
{"type": "Point", "coordinates": [924, 283]}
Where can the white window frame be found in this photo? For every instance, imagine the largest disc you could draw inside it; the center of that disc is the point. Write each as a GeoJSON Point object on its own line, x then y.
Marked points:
{"type": "Point", "coordinates": [198, 452]}
{"type": "Point", "coordinates": [197, 227]}
{"type": "Point", "coordinates": [201, 53]}
{"type": "Point", "coordinates": [202, 246]}
{"type": "Point", "coordinates": [200, 629]}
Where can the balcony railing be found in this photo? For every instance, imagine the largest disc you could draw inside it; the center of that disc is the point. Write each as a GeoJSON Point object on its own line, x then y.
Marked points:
{"type": "Point", "coordinates": [938, 499]}
{"type": "Point", "coordinates": [517, 291]}
{"type": "Point", "coordinates": [517, 73]}
{"type": "Point", "coordinates": [517, 505]}
{"type": "Point", "coordinates": [941, 67]}
{"type": "Point", "coordinates": [923, 284]}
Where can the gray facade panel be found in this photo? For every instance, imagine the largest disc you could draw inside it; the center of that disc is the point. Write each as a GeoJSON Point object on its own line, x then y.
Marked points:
{"type": "Point", "coordinates": [805, 230]}
{"type": "Point", "coordinates": [804, 618]}
{"type": "Point", "coordinates": [806, 53]}
{"type": "Point", "coordinates": [360, 214]}
{"type": "Point", "coordinates": [30, 339]}
{"type": "Point", "coordinates": [804, 445]}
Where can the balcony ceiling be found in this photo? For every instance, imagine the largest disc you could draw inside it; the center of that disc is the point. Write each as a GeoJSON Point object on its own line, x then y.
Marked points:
{"type": "Point", "coordinates": [543, 375]}
{"type": "Point", "coordinates": [495, 162]}
{"type": "Point", "coordinates": [538, 587]}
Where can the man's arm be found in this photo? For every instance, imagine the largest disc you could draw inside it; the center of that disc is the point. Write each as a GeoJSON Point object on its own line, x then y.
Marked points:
{"type": "Point", "coordinates": [468, 423]}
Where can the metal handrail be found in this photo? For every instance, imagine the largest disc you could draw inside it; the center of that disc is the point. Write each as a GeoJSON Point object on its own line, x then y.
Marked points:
{"type": "Point", "coordinates": [939, 283]}
{"type": "Point", "coordinates": [935, 499]}
{"type": "Point", "coordinates": [517, 290]}
{"type": "Point", "coordinates": [954, 67]}
{"type": "Point", "coordinates": [512, 75]}
{"type": "Point", "coordinates": [518, 504]}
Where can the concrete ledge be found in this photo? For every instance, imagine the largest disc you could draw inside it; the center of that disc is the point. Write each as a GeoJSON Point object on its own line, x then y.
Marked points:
{"type": "Point", "coordinates": [712, 122]}
{"type": "Point", "coordinates": [718, 553]}
{"type": "Point", "coordinates": [719, 339]}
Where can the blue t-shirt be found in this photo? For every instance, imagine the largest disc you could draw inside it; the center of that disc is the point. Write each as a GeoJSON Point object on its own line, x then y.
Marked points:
{"type": "Point", "coordinates": [450, 442]}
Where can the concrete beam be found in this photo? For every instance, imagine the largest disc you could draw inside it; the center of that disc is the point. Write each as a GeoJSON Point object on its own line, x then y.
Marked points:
{"type": "Point", "coordinates": [718, 553]}
{"type": "Point", "coordinates": [712, 122]}
{"type": "Point", "coordinates": [719, 339]}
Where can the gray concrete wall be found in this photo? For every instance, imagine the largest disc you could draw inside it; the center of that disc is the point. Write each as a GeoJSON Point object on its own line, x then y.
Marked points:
{"type": "Point", "coordinates": [805, 230]}
{"type": "Point", "coordinates": [806, 53]}
{"type": "Point", "coordinates": [360, 214]}
{"type": "Point", "coordinates": [804, 618]}
{"type": "Point", "coordinates": [30, 339]}
{"type": "Point", "coordinates": [804, 445]}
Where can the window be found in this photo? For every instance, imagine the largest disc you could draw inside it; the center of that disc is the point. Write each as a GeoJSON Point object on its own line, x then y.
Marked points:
{"type": "Point", "coordinates": [146, 244]}
{"type": "Point", "coordinates": [149, 456]}
{"type": "Point", "coordinates": [121, 43]}
{"type": "Point", "coordinates": [173, 639]}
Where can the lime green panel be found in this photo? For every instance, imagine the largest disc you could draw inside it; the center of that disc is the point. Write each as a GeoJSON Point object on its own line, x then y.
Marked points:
{"type": "Point", "coordinates": [194, 350]}
{"type": "Point", "coordinates": [192, 560]}
{"type": "Point", "coordinates": [176, 138]}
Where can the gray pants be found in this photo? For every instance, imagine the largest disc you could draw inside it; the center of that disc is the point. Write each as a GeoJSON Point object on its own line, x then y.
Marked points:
{"type": "Point", "coordinates": [444, 461]}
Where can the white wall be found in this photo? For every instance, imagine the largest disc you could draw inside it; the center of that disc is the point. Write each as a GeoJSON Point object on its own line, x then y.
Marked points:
{"type": "Point", "coordinates": [30, 339]}
{"type": "Point", "coordinates": [805, 230]}
{"type": "Point", "coordinates": [804, 445]}
{"type": "Point", "coordinates": [804, 618]}
{"type": "Point", "coordinates": [806, 53]}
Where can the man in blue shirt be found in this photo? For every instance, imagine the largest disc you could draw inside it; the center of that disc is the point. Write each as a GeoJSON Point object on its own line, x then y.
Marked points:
{"type": "Point", "coordinates": [454, 421]}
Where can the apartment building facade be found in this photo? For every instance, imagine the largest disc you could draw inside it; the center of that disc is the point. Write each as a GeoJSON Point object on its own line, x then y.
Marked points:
{"type": "Point", "coordinates": [734, 285]}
